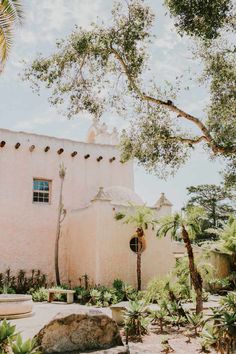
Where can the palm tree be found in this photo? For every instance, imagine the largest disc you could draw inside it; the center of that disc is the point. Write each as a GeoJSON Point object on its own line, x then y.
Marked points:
{"type": "Point", "coordinates": [188, 226]}
{"type": "Point", "coordinates": [11, 14]}
{"type": "Point", "coordinates": [60, 217]}
{"type": "Point", "coordinates": [141, 217]}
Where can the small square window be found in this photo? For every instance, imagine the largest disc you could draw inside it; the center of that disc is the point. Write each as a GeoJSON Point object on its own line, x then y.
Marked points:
{"type": "Point", "coordinates": [41, 191]}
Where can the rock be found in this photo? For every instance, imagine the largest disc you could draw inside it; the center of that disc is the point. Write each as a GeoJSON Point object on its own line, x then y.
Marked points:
{"type": "Point", "coordinates": [80, 331]}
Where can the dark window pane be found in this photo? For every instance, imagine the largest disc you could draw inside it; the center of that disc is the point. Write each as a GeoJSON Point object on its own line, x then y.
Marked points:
{"type": "Point", "coordinates": [40, 191]}
{"type": "Point", "coordinates": [134, 244]}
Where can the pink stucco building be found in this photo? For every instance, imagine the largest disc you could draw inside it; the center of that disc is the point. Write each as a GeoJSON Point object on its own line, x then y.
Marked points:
{"type": "Point", "coordinates": [92, 242]}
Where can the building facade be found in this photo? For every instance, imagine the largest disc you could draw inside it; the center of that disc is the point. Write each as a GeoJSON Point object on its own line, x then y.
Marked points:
{"type": "Point", "coordinates": [91, 242]}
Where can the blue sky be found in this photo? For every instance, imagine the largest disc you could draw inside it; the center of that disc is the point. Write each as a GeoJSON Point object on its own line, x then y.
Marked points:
{"type": "Point", "coordinates": [170, 56]}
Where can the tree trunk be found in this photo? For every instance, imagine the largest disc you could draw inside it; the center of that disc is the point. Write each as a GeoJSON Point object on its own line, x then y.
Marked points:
{"type": "Point", "coordinates": [139, 269]}
{"type": "Point", "coordinates": [214, 213]}
{"type": "Point", "coordinates": [140, 234]}
{"type": "Point", "coordinates": [58, 232]}
{"type": "Point", "coordinates": [195, 276]}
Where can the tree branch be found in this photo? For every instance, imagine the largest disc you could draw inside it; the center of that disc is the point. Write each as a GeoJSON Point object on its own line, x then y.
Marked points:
{"type": "Point", "coordinates": [188, 140]}
{"type": "Point", "coordinates": [171, 107]}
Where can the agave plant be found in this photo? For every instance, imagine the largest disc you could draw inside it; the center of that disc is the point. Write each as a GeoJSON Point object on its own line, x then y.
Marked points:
{"type": "Point", "coordinates": [11, 14]}
{"type": "Point", "coordinates": [7, 333]}
{"type": "Point", "coordinates": [159, 317]}
{"type": "Point", "coordinates": [12, 343]}
{"type": "Point", "coordinates": [220, 328]}
{"type": "Point", "coordinates": [196, 321]}
{"type": "Point", "coordinates": [27, 347]}
{"type": "Point", "coordinates": [136, 321]}
{"type": "Point", "coordinates": [229, 302]}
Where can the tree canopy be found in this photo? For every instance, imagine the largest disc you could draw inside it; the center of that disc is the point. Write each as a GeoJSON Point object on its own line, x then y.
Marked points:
{"type": "Point", "coordinates": [215, 200]}
{"type": "Point", "coordinates": [105, 68]}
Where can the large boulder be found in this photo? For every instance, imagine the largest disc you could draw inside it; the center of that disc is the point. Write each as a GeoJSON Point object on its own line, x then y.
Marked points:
{"type": "Point", "coordinates": [80, 331]}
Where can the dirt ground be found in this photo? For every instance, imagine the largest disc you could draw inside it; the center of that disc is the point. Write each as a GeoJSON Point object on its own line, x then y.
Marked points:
{"type": "Point", "coordinates": [44, 312]}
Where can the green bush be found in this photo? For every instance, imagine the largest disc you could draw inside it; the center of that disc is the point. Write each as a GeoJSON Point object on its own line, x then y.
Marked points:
{"type": "Point", "coordinates": [156, 290]}
{"type": "Point", "coordinates": [39, 295]}
{"type": "Point", "coordinates": [118, 285]}
{"type": "Point", "coordinates": [21, 283]}
{"type": "Point", "coordinates": [102, 296]}
{"type": "Point", "coordinates": [220, 286]}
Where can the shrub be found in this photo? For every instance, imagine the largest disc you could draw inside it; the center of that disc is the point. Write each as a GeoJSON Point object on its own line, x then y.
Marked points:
{"type": "Point", "coordinates": [118, 285]}
{"type": "Point", "coordinates": [21, 283]}
{"type": "Point", "coordinates": [102, 296]}
{"type": "Point", "coordinates": [82, 294]}
{"type": "Point", "coordinates": [156, 290]}
{"type": "Point", "coordinates": [39, 295]}
{"type": "Point", "coordinates": [220, 286]}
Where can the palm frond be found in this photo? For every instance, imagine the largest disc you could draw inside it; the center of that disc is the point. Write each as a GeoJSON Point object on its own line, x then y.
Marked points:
{"type": "Point", "coordinates": [13, 9]}
{"type": "Point", "coordinates": [169, 223]}
{"type": "Point", "coordinates": [11, 14]}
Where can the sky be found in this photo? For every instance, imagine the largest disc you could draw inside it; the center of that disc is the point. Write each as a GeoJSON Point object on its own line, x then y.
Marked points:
{"type": "Point", "coordinates": [22, 110]}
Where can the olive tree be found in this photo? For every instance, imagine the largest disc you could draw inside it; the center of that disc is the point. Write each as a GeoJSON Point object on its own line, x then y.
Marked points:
{"type": "Point", "coordinates": [105, 68]}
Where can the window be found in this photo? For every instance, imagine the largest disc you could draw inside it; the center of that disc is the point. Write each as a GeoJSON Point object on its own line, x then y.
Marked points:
{"type": "Point", "coordinates": [41, 191]}
{"type": "Point", "coordinates": [135, 243]}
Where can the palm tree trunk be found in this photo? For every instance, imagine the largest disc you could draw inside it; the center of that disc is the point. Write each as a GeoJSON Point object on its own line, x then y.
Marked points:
{"type": "Point", "coordinates": [139, 269]}
{"type": "Point", "coordinates": [195, 276]}
{"type": "Point", "coordinates": [140, 234]}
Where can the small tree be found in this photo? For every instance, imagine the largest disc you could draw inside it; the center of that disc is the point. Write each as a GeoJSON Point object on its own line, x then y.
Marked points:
{"type": "Point", "coordinates": [188, 225]}
{"type": "Point", "coordinates": [141, 217]}
{"type": "Point", "coordinates": [60, 217]}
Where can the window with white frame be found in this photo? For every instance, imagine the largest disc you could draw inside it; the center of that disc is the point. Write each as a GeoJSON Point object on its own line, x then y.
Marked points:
{"type": "Point", "coordinates": [41, 190]}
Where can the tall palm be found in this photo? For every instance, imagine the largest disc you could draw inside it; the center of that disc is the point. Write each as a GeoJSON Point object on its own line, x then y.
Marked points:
{"type": "Point", "coordinates": [11, 14]}
{"type": "Point", "coordinates": [141, 217]}
{"type": "Point", "coordinates": [186, 225]}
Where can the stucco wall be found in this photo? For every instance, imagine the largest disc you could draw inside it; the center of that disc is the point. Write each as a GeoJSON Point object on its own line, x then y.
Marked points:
{"type": "Point", "coordinates": [102, 248]}
{"type": "Point", "coordinates": [27, 230]}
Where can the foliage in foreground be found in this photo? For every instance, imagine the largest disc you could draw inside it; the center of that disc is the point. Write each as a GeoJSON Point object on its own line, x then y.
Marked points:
{"type": "Point", "coordinates": [12, 343]}
{"type": "Point", "coordinates": [219, 331]}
